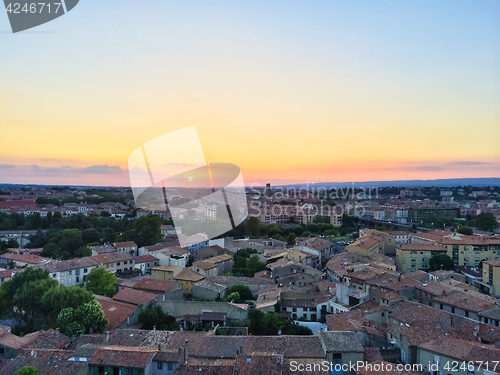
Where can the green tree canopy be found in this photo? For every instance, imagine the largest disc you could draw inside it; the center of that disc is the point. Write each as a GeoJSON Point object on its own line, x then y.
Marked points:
{"type": "Point", "coordinates": [147, 230]}
{"type": "Point", "coordinates": [154, 317]}
{"type": "Point", "coordinates": [243, 290]}
{"type": "Point", "coordinates": [61, 297]}
{"type": "Point", "coordinates": [27, 370]}
{"type": "Point", "coordinates": [80, 320]}
{"type": "Point", "coordinates": [270, 323]}
{"type": "Point", "coordinates": [101, 282]}
{"type": "Point", "coordinates": [441, 261]}
{"type": "Point", "coordinates": [465, 230]}
{"type": "Point", "coordinates": [486, 221]}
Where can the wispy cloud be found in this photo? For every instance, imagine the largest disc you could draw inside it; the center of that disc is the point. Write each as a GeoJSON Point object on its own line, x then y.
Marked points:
{"type": "Point", "coordinates": [426, 168]}
{"type": "Point", "coordinates": [468, 163]}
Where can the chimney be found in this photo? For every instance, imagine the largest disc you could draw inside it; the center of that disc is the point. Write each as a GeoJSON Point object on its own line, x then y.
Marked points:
{"type": "Point", "coordinates": [106, 337]}
{"type": "Point", "coordinates": [182, 356]}
{"type": "Point", "coordinates": [444, 293]}
{"type": "Point", "coordinates": [57, 332]}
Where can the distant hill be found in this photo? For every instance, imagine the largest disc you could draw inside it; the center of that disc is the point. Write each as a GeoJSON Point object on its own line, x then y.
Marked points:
{"type": "Point", "coordinates": [448, 182]}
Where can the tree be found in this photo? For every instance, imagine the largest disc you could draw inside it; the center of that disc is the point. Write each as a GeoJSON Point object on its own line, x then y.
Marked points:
{"type": "Point", "coordinates": [254, 263]}
{"type": "Point", "coordinates": [465, 230]}
{"type": "Point", "coordinates": [147, 230]}
{"type": "Point", "coordinates": [290, 240]}
{"type": "Point", "coordinates": [37, 240]}
{"type": "Point", "coordinates": [17, 288]}
{"type": "Point", "coordinates": [27, 301]}
{"type": "Point", "coordinates": [154, 317]}
{"type": "Point", "coordinates": [10, 244]}
{"type": "Point", "coordinates": [70, 242]}
{"type": "Point", "coordinates": [90, 235]}
{"type": "Point", "coordinates": [270, 323]}
{"type": "Point", "coordinates": [27, 370]}
{"type": "Point", "coordinates": [233, 297]}
{"type": "Point", "coordinates": [61, 297]}
{"type": "Point", "coordinates": [441, 262]}
{"type": "Point", "coordinates": [244, 291]}
{"type": "Point", "coordinates": [101, 282]}
{"type": "Point", "coordinates": [51, 250]}
{"type": "Point", "coordinates": [80, 320]}
{"type": "Point", "coordinates": [253, 225]}
{"type": "Point", "coordinates": [486, 221]}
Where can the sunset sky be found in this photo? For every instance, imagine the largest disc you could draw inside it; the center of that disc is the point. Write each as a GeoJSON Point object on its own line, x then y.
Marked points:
{"type": "Point", "coordinates": [290, 91]}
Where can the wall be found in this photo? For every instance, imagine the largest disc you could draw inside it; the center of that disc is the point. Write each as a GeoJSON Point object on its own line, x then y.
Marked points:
{"type": "Point", "coordinates": [178, 308]}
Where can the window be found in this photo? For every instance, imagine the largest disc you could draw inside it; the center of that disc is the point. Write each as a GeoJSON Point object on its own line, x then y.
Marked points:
{"type": "Point", "coordinates": [53, 275]}
{"type": "Point", "coordinates": [169, 366]}
{"type": "Point", "coordinates": [294, 309]}
{"type": "Point", "coordinates": [117, 264]}
{"type": "Point", "coordinates": [77, 279]}
{"type": "Point", "coordinates": [85, 270]}
{"type": "Point", "coordinates": [160, 365]}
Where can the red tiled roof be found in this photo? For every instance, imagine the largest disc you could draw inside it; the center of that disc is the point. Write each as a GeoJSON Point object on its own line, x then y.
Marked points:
{"type": "Point", "coordinates": [155, 285]}
{"type": "Point", "coordinates": [133, 296]}
{"type": "Point", "coordinates": [145, 258]}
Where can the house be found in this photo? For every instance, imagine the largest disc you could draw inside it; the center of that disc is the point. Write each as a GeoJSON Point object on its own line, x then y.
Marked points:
{"type": "Point", "coordinates": [285, 268]}
{"type": "Point", "coordinates": [146, 262]}
{"type": "Point", "coordinates": [491, 276]}
{"type": "Point", "coordinates": [70, 272]}
{"type": "Point", "coordinates": [206, 289]}
{"type": "Point", "coordinates": [214, 266]}
{"type": "Point", "coordinates": [103, 249]}
{"type": "Point", "coordinates": [165, 272]}
{"type": "Point", "coordinates": [187, 278]}
{"type": "Point", "coordinates": [5, 275]}
{"type": "Point", "coordinates": [11, 345]}
{"type": "Point", "coordinates": [21, 236]}
{"type": "Point", "coordinates": [300, 308]}
{"type": "Point", "coordinates": [127, 246]}
{"type": "Point", "coordinates": [317, 246]}
{"type": "Point", "coordinates": [46, 361]}
{"type": "Point", "coordinates": [129, 360]}
{"type": "Point", "coordinates": [118, 314]}
{"type": "Point", "coordinates": [134, 297]}
{"type": "Point", "coordinates": [465, 250]}
{"type": "Point", "coordinates": [22, 260]}
{"type": "Point", "coordinates": [440, 355]}
{"type": "Point", "coordinates": [117, 263]}
{"type": "Point", "coordinates": [411, 257]}
{"type": "Point", "coordinates": [366, 246]}
{"type": "Point", "coordinates": [388, 239]}
{"type": "Point", "coordinates": [158, 287]}
{"type": "Point", "coordinates": [465, 303]}
{"type": "Point", "coordinates": [210, 251]}
{"type": "Point", "coordinates": [169, 255]}
{"type": "Point", "coordinates": [341, 348]}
